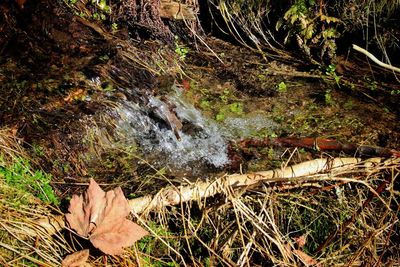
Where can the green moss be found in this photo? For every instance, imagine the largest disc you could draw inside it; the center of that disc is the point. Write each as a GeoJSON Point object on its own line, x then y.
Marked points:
{"type": "Point", "coordinates": [236, 108]}
{"type": "Point", "coordinates": [21, 176]}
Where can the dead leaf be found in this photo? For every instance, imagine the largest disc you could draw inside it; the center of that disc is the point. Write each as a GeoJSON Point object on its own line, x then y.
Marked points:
{"type": "Point", "coordinates": [20, 3]}
{"type": "Point", "coordinates": [77, 259]}
{"type": "Point", "coordinates": [102, 217]}
{"type": "Point", "coordinates": [115, 231]}
{"type": "Point", "coordinates": [86, 211]}
{"type": "Point", "coordinates": [75, 95]}
{"type": "Point", "coordinates": [175, 123]}
{"type": "Point", "coordinates": [165, 111]}
{"type": "Point", "coordinates": [306, 259]}
{"type": "Point", "coordinates": [300, 240]}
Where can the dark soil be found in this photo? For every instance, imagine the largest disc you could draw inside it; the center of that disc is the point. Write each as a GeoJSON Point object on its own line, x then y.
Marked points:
{"type": "Point", "coordinates": [49, 96]}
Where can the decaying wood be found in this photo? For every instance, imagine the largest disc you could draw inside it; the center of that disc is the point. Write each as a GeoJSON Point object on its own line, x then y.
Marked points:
{"type": "Point", "coordinates": [321, 144]}
{"type": "Point", "coordinates": [174, 10]}
{"type": "Point", "coordinates": [203, 189]}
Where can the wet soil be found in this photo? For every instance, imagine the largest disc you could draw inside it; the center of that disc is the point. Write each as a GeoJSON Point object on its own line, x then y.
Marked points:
{"type": "Point", "coordinates": [60, 78]}
{"type": "Point", "coordinates": [299, 106]}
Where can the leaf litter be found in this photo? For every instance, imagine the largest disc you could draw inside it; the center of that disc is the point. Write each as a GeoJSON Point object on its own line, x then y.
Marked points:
{"type": "Point", "coordinates": [101, 217]}
{"type": "Point", "coordinates": [77, 259]}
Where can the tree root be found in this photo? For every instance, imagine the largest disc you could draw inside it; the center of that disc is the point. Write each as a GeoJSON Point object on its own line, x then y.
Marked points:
{"type": "Point", "coordinates": [203, 189]}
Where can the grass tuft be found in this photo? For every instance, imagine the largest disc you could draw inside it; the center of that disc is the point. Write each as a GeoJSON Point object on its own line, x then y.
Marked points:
{"type": "Point", "coordinates": [19, 175]}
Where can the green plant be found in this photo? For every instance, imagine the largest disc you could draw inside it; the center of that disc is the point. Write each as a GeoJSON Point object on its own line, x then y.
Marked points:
{"type": "Point", "coordinates": [331, 72]}
{"type": "Point", "coordinates": [80, 14]}
{"type": "Point", "coordinates": [102, 5]}
{"type": "Point", "coordinates": [395, 92]}
{"type": "Point", "coordinates": [236, 108]}
{"type": "Point", "coordinates": [20, 175]}
{"type": "Point", "coordinates": [309, 28]}
{"type": "Point", "coordinates": [328, 98]}
{"type": "Point", "coordinates": [372, 85]}
{"type": "Point", "coordinates": [180, 49]}
{"type": "Point", "coordinates": [99, 10]}
{"type": "Point", "coordinates": [282, 87]}
{"type": "Point", "coordinates": [98, 16]}
{"type": "Point", "coordinates": [220, 117]}
{"type": "Point", "coordinates": [224, 111]}
{"type": "Point", "coordinates": [114, 26]}
{"type": "Point", "coordinates": [225, 97]}
{"type": "Point", "coordinates": [205, 104]}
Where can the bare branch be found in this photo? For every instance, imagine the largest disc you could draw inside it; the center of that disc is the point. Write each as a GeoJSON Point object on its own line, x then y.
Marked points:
{"type": "Point", "coordinates": [374, 59]}
{"type": "Point", "coordinates": [203, 189]}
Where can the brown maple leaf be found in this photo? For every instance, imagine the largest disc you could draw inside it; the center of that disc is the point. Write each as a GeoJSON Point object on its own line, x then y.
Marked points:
{"type": "Point", "coordinates": [101, 217]}
{"type": "Point", "coordinates": [77, 259]}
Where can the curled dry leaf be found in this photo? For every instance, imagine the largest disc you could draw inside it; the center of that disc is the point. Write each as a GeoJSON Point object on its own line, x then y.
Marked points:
{"type": "Point", "coordinates": [101, 217]}
{"type": "Point", "coordinates": [300, 240]}
{"type": "Point", "coordinates": [77, 259]}
{"type": "Point", "coordinates": [305, 258]}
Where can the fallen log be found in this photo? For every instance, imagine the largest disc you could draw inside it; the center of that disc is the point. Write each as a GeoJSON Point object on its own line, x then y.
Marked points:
{"type": "Point", "coordinates": [203, 189]}
{"type": "Point", "coordinates": [321, 144]}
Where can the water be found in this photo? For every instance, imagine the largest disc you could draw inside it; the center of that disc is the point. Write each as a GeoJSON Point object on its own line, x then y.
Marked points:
{"type": "Point", "coordinates": [190, 146]}
{"type": "Point", "coordinates": [248, 126]}
{"type": "Point", "coordinates": [172, 133]}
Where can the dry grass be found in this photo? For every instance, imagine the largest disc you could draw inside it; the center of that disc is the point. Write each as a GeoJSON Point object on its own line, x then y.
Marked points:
{"type": "Point", "coordinates": [18, 221]}
{"type": "Point", "coordinates": [345, 217]}
{"type": "Point", "coordinates": [10, 146]}
{"type": "Point", "coordinates": [20, 212]}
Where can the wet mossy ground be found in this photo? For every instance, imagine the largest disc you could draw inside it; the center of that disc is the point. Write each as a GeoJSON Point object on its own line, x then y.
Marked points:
{"type": "Point", "coordinates": [293, 106]}
{"type": "Point", "coordinates": [60, 80]}
{"type": "Point", "coordinates": [51, 96]}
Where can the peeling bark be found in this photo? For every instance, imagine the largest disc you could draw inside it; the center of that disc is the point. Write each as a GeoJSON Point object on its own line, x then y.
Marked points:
{"type": "Point", "coordinates": [203, 189]}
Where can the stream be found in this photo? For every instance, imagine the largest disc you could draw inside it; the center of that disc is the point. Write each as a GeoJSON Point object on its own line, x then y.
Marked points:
{"type": "Point", "coordinates": [195, 145]}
